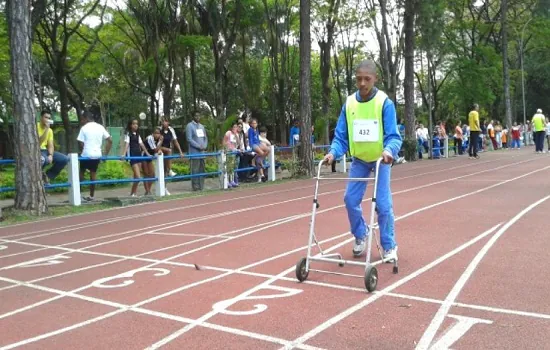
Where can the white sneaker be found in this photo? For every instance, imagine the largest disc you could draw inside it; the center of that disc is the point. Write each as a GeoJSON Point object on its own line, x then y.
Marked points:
{"type": "Point", "coordinates": [390, 255]}
{"type": "Point", "coordinates": [171, 173]}
{"type": "Point", "coordinates": [166, 192]}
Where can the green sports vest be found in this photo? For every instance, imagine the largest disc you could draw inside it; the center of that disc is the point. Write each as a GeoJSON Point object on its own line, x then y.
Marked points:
{"type": "Point", "coordinates": [538, 122]}
{"type": "Point", "coordinates": [364, 121]}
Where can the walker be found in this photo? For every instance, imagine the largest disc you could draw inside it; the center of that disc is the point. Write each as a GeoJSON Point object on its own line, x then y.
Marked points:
{"type": "Point", "coordinates": [371, 273]}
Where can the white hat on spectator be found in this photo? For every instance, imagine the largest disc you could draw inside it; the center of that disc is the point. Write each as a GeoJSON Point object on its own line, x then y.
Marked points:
{"type": "Point", "coordinates": [539, 110]}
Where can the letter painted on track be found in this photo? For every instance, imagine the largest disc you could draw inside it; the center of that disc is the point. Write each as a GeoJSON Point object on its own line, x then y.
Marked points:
{"type": "Point", "coordinates": [222, 306]}
{"type": "Point", "coordinates": [46, 261]}
{"type": "Point", "coordinates": [101, 283]}
{"type": "Point", "coordinates": [457, 331]}
{"type": "Point", "coordinates": [2, 247]}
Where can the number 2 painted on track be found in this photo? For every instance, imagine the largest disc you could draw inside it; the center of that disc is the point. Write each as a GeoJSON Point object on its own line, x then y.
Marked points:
{"type": "Point", "coordinates": [222, 306]}
{"type": "Point", "coordinates": [101, 283]}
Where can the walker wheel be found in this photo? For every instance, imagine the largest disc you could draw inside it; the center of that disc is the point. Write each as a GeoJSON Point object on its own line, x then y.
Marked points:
{"type": "Point", "coordinates": [341, 264]}
{"type": "Point", "coordinates": [371, 278]}
{"type": "Point", "coordinates": [301, 273]}
{"type": "Point", "coordinates": [395, 269]}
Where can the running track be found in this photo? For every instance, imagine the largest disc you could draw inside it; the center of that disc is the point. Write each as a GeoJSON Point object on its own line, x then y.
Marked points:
{"type": "Point", "coordinates": [218, 272]}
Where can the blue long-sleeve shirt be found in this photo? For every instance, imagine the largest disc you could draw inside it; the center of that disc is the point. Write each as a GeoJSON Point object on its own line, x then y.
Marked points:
{"type": "Point", "coordinates": [253, 137]}
{"type": "Point", "coordinates": [293, 131]}
{"type": "Point", "coordinates": [392, 139]}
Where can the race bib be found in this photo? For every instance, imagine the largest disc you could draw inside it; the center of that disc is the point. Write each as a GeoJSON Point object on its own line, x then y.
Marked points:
{"type": "Point", "coordinates": [200, 133]}
{"type": "Point", "coordinates": [296, 137]}
{"type": "Point", "coordinates": [365, 131]}
{"type": "Point", "coordinates": [232, 138]}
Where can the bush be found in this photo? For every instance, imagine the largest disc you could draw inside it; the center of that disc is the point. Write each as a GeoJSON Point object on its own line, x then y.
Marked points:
{"type": "Point", "coordinates": [109, 170]}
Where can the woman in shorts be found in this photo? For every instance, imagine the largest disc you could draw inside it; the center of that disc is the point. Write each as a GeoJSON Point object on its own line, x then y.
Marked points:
{"type": "Point", "coordinates": [134, 147]}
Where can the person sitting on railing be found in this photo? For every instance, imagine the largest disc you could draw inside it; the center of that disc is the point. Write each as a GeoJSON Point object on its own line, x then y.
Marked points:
{"type": "Point", "coordinates": [134, 147]}
{"type": "Point", "coordinates": [169, 138]}
{"type": "Point", "coordinates": [197, 141]}
{"type": "Point", "coordinates": [153, 144]}
{"type": "Point", "coordinates": [257, 147]}
{"type": "Point", "coordinates": [231, 141]}
{"type": "Point", "coordinates": [48, 154]}
{"type": "Point", "coordinates": [90, 139]}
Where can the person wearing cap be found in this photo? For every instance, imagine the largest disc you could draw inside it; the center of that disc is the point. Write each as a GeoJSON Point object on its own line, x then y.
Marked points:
{"type": "Point", "coordinates": [48, 154]}
{"type": "Point", "coordinates": [538, 122]}
{"type": "Point", "coordinates": [367, 126]}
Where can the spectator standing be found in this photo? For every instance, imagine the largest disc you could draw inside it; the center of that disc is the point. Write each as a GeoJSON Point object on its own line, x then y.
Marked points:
{"type": "Point", "coordinates": [538, 122]}
{"type": "Point", "coordinates": [48, 153]}
{"type": "Point", "coordinates": [516, 136]}
{"type": "Point", "coordinates": [231, 142]}
{"type": "Point", "coordinates": [197, 141]}
{"type": "Point", "coordinates": [90, 138]}
{"type": "Point", "coordinates": [153, 145]}
{"type": "Point", "coordinates": [294, 136]}
{"type": "Point", "coordinates": [169, 138]}
{"type": "Point", "coordinates": [134, 147]}
{"type": "Point", "coordinates": [473, 121]}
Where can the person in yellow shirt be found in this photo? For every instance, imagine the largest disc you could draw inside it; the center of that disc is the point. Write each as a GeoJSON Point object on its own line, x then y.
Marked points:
{"type": "Point", "coordinates": [538, 123]}
{"type": "Point", "coordinates": [475, 129]}
{"type": "Point", "coordinates": [48, 154]}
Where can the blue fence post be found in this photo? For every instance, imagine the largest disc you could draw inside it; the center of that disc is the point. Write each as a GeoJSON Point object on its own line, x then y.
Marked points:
{"type": "Point", "coordinates": [160, 185]}
{"type": "Point", "coordinates": [222, 168]}
{"type": "Point", "coordinates": [74, 180]}
{"type": "Point", "coordinates": [272, 165]}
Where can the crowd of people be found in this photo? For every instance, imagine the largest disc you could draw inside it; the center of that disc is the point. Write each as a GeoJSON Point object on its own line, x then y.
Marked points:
{"type": "Point", "coordinates": [246, 142]}
{"type": "Point", "coordinates": [485, 135]}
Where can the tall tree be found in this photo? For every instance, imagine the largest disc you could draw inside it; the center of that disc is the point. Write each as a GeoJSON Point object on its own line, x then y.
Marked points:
{"type": "Point", "coordinates": [505, 64]}
{"type": "Point", "coordinates": [305, 152]}
{"type": "Point", "coordinates": [410, 13]}
{"type": "Point", "coordinates": [59, 26]}
{"type": "Point", "coordinates": [30, 194]}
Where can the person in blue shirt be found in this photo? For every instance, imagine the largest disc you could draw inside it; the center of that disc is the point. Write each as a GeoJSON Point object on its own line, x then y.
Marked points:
{"type": "Point", "coordinates": [294, 136]}
{"type": "Point", "coordinates": [387, 149]}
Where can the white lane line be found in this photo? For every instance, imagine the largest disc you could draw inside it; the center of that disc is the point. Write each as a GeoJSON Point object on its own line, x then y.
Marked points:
{"type": "Point", "coordinates": [232, 301]}
{"type": "Point", "coordinates": [132, 216]}
{"type": "Point", "coordinates": [156, 233]}
{"type": "Point", "coordinates": [336, 319]}
{"type": "Point", "coordinates": [472, 306]}
{"type": "Point", "coordinates": [123, 308]}
{"type": "Point", "coordinates": [439, 317]}
{"type": "Point", "coordinates": [104, 221]}
{"type": "Point", "coordinates": [61, 294]}
{"type": "Point", "coordinates": [361, 305]}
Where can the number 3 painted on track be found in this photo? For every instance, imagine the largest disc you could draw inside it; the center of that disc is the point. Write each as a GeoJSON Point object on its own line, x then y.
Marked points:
{"type": "Point", "coordinates": [100, 283]}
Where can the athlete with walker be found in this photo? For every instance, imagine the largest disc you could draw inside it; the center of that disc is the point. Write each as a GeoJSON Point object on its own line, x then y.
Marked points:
{"type": "Point", "coordinates": [367, 127]}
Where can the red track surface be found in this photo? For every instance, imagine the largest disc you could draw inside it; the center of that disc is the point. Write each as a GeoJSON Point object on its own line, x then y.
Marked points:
{"type": "Point", "coordinates": [473, 268]}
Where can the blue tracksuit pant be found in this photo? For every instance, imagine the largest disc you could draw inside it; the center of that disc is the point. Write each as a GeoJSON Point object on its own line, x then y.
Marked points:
{"type": "Point", "coordinates": [353, 197]}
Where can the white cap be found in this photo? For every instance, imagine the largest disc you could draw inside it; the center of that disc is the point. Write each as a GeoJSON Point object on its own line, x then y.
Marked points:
{"type": "Point", "coordinates": [539, 110]}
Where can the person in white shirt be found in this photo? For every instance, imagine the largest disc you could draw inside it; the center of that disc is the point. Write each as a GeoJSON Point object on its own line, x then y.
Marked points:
{"type": "Point", "coordinates": [90, 139]}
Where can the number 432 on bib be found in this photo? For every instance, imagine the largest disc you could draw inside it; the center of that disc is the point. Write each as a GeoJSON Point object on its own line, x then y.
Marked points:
{"type": "Point", "coordinates": [366, 131]}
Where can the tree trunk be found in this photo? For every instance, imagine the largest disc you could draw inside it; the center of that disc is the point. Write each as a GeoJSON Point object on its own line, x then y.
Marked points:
{"type": "Point", "coordinates": [30, 193]}
{"type": "Point", "coordinates": [410, 6]}
{"type": "Point", "coordinates": [305, 151]}
{"type": "Point", "coordinates": [505, 65]}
